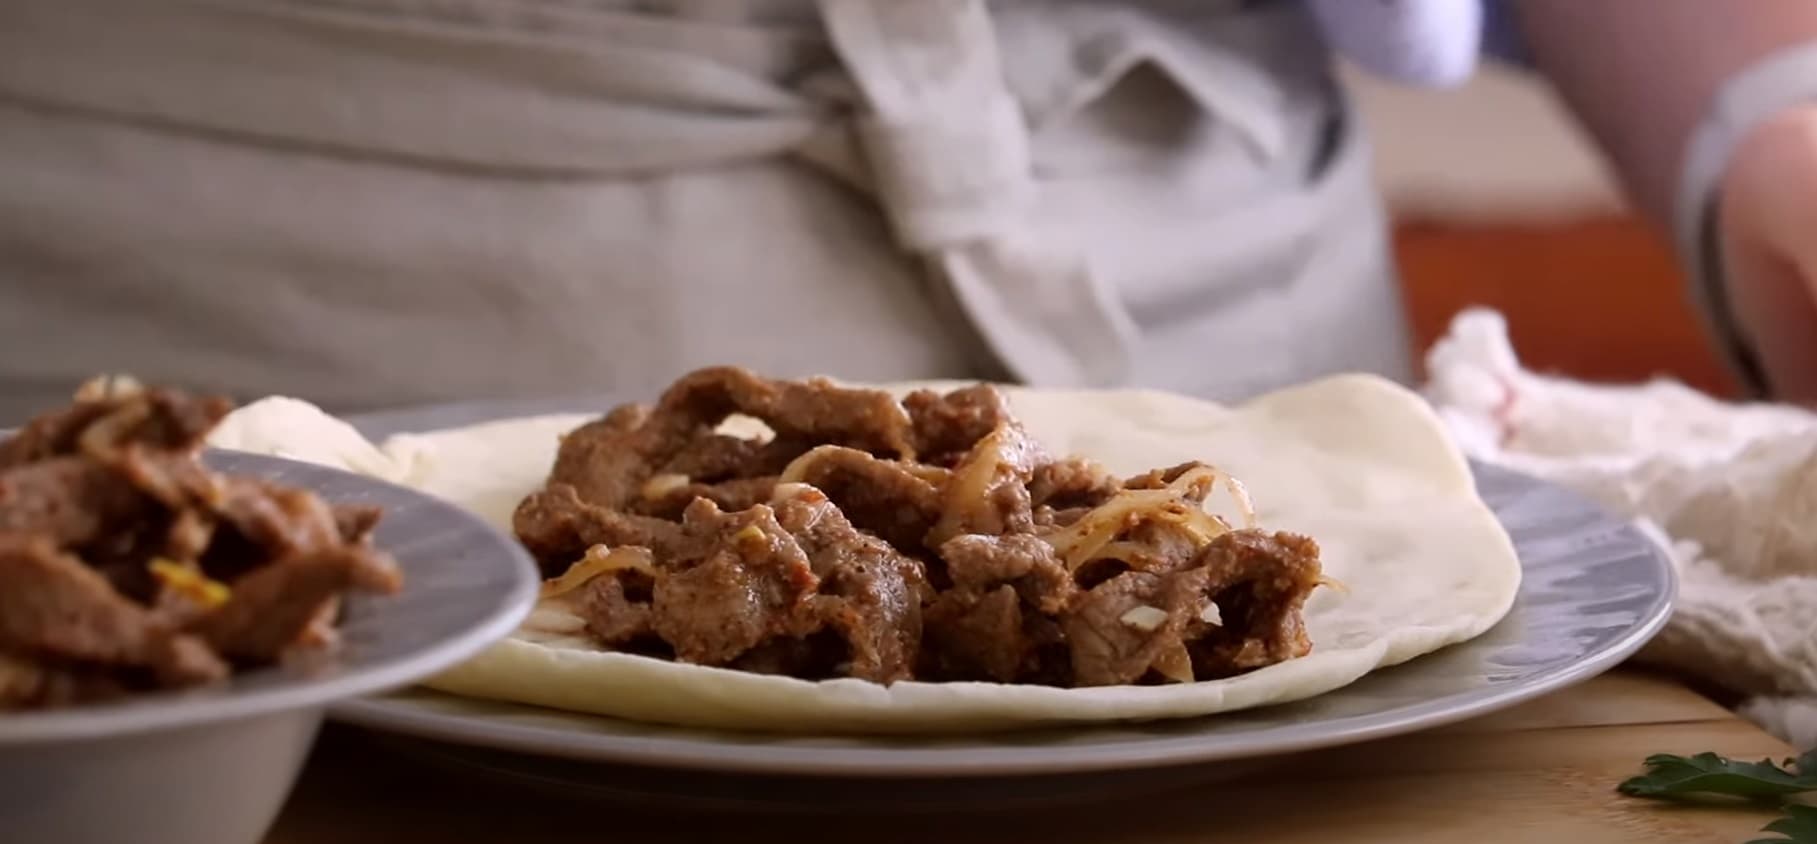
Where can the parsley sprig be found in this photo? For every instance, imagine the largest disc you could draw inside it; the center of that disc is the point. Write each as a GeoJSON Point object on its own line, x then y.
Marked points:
{"type": "Point", "coordinates": [1707, 775]}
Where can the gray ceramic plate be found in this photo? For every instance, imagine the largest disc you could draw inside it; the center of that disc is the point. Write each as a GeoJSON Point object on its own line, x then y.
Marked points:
{"type": "Point", "coordinates": [1595, 590]}
{"type": "Point", "coordinates": [212, 765]}
{"type": "Point", "coordinates": [466, 585]}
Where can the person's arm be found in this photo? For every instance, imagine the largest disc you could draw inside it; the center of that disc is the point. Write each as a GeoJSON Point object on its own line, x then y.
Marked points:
{"type": "Point", "coordinates": [1644, 77]}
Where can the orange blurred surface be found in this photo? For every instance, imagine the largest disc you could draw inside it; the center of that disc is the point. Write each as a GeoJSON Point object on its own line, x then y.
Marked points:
{"type": "Point", "coordinates": [1598, 299]}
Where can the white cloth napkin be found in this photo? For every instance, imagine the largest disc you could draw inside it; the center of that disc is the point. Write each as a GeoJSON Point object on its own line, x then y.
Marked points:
{"type": "Point", "coordinates": [1732, 487]}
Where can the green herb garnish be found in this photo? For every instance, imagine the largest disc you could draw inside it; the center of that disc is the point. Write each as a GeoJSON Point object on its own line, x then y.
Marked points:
{"type": "Point", "coordinates": [1708, 775]}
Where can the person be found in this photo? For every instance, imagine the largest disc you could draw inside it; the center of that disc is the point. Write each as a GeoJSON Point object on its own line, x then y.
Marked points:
{"type": "Point", "coordinates": [380, 203]}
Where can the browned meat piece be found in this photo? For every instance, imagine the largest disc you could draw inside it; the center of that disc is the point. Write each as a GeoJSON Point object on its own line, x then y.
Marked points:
{"type": "Point", "coordinates": [1026, 563]}
{"type": "Point", "coordinates": [947, 426]}
{"type": "Point", "coordinates": [1196, 492]}
{"type": "Point", "coordinates": [56, 607]}
{"type": "Point", "coordinates": [610, 460]}
{"type": "Point", "coordinates": [988, 492]}
{"type": "Point", "coordinates": [977, 636]}
{"type": "Point", "coordinates": [165, 420]}
{"type": "Point", "coordinates": [34, 684]}
{"type": "Point", "coordinates": [869, 592]}
{"type": "Point", "coordinates": [607, 461]}
{"type": "Point", "coordinates": [754, 587]}
{"type": "Point", "coordinates": [557, 528]}
{"type": "Point", "coordinates": [881, 496]}
{"type": "Point", "coordinates": [1133, 625]}
{"type": "Point", "coordinates": [71, 501]}
{"type": "Point", "coordinates": [280, 520]}
{"type": "Point", "coordinates": [712, 458]}
{"type": "Point", "coordinates": [737, 494]}
{"type": "Point", "coordinates": [271, 607]}
{"type": "Point", "coordinates": [1260, 582]}
{"type": "Point", "coordinates": [355, 522]}
{"type": "Point", "coordinates": [616, 607]}
{"type": "Point", "coordinates": [1071, 483]}
{"type": "Point", "coordinates": [813, 411]}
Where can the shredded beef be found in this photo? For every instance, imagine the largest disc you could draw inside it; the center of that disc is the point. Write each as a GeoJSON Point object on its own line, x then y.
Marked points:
{"type": "Point", "coordinates": [882, 540]}
{"type": "Point", "coordinates": [126, 565]}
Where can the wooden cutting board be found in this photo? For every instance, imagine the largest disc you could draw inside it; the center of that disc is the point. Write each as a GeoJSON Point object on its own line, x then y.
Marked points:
{"type": "Point", "coordinates": [1544, 772]}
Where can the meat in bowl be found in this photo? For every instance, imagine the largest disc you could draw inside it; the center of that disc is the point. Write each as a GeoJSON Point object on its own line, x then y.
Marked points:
{"type": "Point", "coordinates": [126, 565]}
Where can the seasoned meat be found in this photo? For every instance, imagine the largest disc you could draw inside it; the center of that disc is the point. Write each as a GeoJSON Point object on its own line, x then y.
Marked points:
{"type": "Point", "coordinates": [714, 457]}
{"type": "Point", "coordinates": [273, 605]}
{"type": "Point", "coordinates": [978, 636]}
{"type": "Point", "coordinates": [37, 683]}
{"type": "Point", "coordinates": [163, 420]}
{"type": "Point", "coordinates": [1134, 624]}
{"type": "Point", "coordinates": [736, 494]}
{"type": "Point", "coordinates": [1260, 582]}
{"type": "Point", "coordinates": [1071, 483]}
{"type": "Point", "coordinates": [947, 426]}
{"type": "Point", "coordinates": [1025, 563]}
{"type": "Point", "coordinates": [616, 607]}
{"type": "Point", "coordinates": [70, 501]}
{"type": "Point", "coordinates": [610, 460]}
{"type": "Point", "coordinates": [924, 539]}
{"type": "Point", "coordinates": [870, 593]}
{"type": "Point", "coordinates": [558, 527]}
{"type": "Point", "coordinates": [883, 497]}
{"type": "Point", "coordinates": [752, 587]}
{"type": "Point", "coordinates": [127, 565]}
{"type": "Point", "coordinates": [814, 412]}
{"type": "Point", "coordinates": [54, 606]}
{"type": "Point", "coordinates": [1195, 492]}
{"type": "Point", "coordinates": [988, 492]}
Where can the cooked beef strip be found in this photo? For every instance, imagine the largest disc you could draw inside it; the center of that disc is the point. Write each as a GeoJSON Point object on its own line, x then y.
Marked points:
{"type": "Point", "coordinates": [813, 411]}
{"type": "Point", "coordinates": [869, 592]}
{"type": "Point", "coordinates": [1071, 483]}
{"type": "Point", "coordinates": [272, 606]}
{"type": "Point", "coordinates": [947, 426]}
{"type": "Point", "coordinates": [1160, 478]}
{"type": "Point", "coordinates": [977, 636]}
{"type": "Point", "coordinates": [736, 494]}
{"type": "Point", "coordinates": [71, 501]}
{"type": "Point", "coordinates": [557, 527]}
{"type": "Point", "coordinates": [1108, 651]}
{"type": "Point", "coordinates": [53, 605]}
{"type": "Point", "coordinates": [609, 461]}
{"type": "Point", "coordinates": [714, 457]}
{"type": "Point", "coordinates": [880, 496]}
{"type": "Point", "coordinates": [1260, 582]}
{"type": "Point", "coordinates": [166, 420]}
{"type": "Point", "coordinates": [36, 683]}
{"type": "Point", "coordinates": [616, 607]}
{"type": "Point", "coordinates": [1027, 563]}
{"type": "Point", "coordinates": [753, 587]}
{"type": "Point", "coordinates": [988, 492]}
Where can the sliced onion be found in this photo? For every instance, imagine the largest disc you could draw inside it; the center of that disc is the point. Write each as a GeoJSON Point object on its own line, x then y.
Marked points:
{"type": "Point", "coordinates": [1144, 618]}
{"type": "Point", "coordinates": [661, 485]}
{"type": "Point", "coordinates": [600, 560]}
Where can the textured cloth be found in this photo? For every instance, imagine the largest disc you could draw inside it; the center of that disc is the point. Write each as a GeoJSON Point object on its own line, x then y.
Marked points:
{"type": "Point", "coordinates": [1732, 489]}
{"type": "Point", "coordinates": [373, 203]}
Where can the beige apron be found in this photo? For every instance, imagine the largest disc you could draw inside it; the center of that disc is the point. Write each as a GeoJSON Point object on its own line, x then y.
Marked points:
{"type": "Point", "coordinates": [374, 203]}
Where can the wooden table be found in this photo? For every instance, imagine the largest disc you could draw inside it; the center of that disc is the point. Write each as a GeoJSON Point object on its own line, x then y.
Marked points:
{"type": "Point", "coordinates": [1544, 772]}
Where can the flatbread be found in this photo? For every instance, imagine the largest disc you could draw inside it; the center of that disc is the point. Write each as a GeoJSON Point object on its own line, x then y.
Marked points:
{"type": "Point", "coordinates": [1358, 463]}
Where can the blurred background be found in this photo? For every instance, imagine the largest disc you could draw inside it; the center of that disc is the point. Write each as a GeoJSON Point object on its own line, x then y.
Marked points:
{"type": "Point", "coordinates": [1500, 200]}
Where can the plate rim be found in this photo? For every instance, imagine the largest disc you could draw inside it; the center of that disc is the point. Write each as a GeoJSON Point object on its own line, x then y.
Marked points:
{"type": "Point", "coordinates": [164, 711]}
{"type": "Point", "coordinates": [682, 752]}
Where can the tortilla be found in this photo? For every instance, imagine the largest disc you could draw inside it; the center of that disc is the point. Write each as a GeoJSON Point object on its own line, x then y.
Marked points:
{"type": "Point", "coordinates": [1358, 463]}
